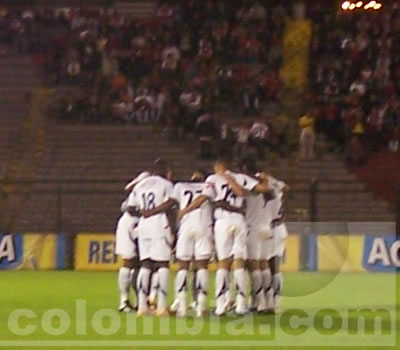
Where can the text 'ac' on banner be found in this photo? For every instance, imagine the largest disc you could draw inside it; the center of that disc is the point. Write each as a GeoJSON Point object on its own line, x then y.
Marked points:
{"type": "Point", "coordinates": [381, 254]}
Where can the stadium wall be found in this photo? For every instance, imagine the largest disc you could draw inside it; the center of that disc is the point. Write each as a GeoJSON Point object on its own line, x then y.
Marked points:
{"type": "Point", "coordinates": [95, 252]}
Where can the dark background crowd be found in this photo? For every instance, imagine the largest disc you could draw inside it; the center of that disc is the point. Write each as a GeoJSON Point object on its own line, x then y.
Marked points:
{"type": "Point", "coordinates": [197, 65]}
{"type": "Point", "coordinates": [355, 76]}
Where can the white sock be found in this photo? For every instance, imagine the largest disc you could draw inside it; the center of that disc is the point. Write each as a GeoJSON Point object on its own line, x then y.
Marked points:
{"type": "Point", "coordinates": [267, 285]}
{"type": "Point", "coordinates": [240, 281]}
{"type": "Point", "coordinates": [231, 289]}
{"type": "Point", "coordinates": [162, 301]}
{"type": "Point", "coordinates": [221, 286]}
{"type": "Point", "coordinates": [143, 286]}
{"type": "Point", "coordinates": [180, 288]}
{"type": "Point", "coordinates": [155, 284]}
{"type": "Point", "coordinates": [266, 280]}
{"type": "Point", "coordinates": [256, 287]}
{"type": "Point", "coordinates": [202, 288]}
{"type": "Point", "coordinates": [124, 283]}
{"type": "Point", "coordinates": [277, 287]}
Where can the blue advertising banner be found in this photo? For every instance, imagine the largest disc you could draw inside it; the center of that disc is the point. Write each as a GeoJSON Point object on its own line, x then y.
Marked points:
{"type": "Point", "coordinates": [381, 254]}
{"type": "Point", "coordinates": [11, 248]}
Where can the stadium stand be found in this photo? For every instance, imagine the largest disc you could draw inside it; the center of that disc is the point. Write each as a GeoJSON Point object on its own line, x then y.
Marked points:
{"type": "Point", "coordinates": [356, 67]}
{"type": "Point", "coordinates": [82, 152]}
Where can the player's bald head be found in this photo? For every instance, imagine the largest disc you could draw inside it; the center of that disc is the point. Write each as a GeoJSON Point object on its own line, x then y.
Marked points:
{"type": "Point", "coordinates": [160, 167]}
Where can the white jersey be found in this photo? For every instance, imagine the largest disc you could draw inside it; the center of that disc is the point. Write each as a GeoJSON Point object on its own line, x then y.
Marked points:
{"type": "Point", "coordinates": [275, 206]}
{"type": "Point", "coordinates": [218, 189]}
{"type": "Point", "coordinates": [256, 210]}
{"type": "Point", "coordinates": [149, 194]}
{"type": "Point", "coordinates": [185, 193]}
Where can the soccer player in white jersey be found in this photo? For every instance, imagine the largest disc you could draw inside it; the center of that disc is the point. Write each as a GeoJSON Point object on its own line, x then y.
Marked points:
{"type": "Point", "coordinates": [126, 247]}
{"type": "Point", "coordinates": [227, 191]}
{"type": "Point", "coordinates": [153, 196]}
{"type": "Point", "coordinates": [194, 243]}
{"type": "Point", "coordinates": [258, 225]}
{"type": "Point", "coordinates": [274, 247]}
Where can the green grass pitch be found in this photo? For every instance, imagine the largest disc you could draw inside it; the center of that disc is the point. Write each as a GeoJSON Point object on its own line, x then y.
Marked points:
{"type": "Point", "coordinates": [315, 313]}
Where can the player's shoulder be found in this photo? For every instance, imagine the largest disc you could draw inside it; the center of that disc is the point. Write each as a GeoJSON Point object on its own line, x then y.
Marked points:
{"type": "Point", "coordinates": [212, 178]}
{"type": "Point", "coordinates": [243, 178]}
{"type": "Point", "coordinates": [180, 186]}
{"type": "Point", "coordinates": [162, 180]}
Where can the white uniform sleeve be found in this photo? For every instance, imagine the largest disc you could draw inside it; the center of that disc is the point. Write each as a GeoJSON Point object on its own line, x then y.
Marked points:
{"type": "Point", "coordinates": [276, 184]}
{"type": "Point", "coordinates": [250, 183]}
{"type": "Point", "coordinates": [132, 200]}
{"type": "Point", "coordinates": [209, 188]}
{"type": "Point", "coordinates": [124, 206]}
{"type": "Point", "coordinates": [280, 185]}
{"type": "Point", "coordinates": [137, 179]}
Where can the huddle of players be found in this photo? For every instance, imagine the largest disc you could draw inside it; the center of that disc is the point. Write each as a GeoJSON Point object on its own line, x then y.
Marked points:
{"type": "Point", "coordinates": [239, 215]}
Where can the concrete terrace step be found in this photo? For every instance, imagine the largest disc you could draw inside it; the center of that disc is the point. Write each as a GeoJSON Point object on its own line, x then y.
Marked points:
{"type": "Point", "coordinates": [137, 8]}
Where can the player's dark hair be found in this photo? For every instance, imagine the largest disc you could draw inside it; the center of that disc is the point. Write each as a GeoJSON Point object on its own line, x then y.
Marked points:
{"type": "Point", "coordinates": [249, 165]}
{"type": "Point", "coordinates": [160, 167]}
{"type": "Point", "coordinates": [200, 171]}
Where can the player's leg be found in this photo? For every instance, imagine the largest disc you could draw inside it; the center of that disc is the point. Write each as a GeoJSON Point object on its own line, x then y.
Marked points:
{"type": "Point", "coordinates": [143, 279]}
{"type": "Point", "coordinates": [277, 282]}
{"type": "Point", "coordinates": [201, 286]}
{"type": "Point", "coordinates": [161, 254]}
{"type": "Point", "coordinates": [143, 286]}
{"type": "Point", "coordinates": [184, 254]}
{"type": "Point", "coordinates": [267, 284]}
{"type": "Point", "coordinates": [239, 273]}
{"type": "Point", "coordinates": [180, 304]}
{"type": "Point", "coordinates": [253, 266]}
{"type": "Point", "coordinates": [124, 283]}
{"type": "Point", "coordinates": [154, 285]}
{"type": "Point", "coordinates": [125, 247]}
{"type": "Point", "coordinates": [193, 304]}
{"type": "Point", "coordinates": [223, 246]}
{"type": "Point", "coordinates": [279, 239]}
{"type": "Point", "coordinates": [202, 254]}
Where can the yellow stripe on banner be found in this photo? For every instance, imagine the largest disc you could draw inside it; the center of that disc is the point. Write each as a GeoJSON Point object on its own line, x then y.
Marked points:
{"type": "Point", "coordinates": [291, 259]}
{"type": "Point", "coordinates": [340, 253]}
{"type": "Point", "coordinates": [96, 252]}
{"type": "Point", "coordinates": [39, 251]}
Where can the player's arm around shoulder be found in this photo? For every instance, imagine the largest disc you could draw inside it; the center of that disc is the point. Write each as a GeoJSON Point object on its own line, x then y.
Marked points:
{"type": "Point", "coordinates": [207, 194]}
{"type": "Point", "coordinates": [259, 184]}
{"type": "Point", "coordinates": [197, 203]}
{"type": "Point", "coordinates": [236, 188]}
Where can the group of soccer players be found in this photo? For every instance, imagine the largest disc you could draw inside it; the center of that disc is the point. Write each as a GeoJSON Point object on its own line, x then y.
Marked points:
{"type": "Point", "coordinates": [235, 216]}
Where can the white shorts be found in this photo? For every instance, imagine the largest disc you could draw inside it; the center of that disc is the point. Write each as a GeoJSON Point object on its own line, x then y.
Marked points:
{"type": "Point", "coordinates": [253, 244]}
{"type": "Point", "coordinates": [155, 241]}
{"type": "Point", "coordinates": [230, 238]}
{"type": "Point", "coordinates": [193, 243]}
{"type": "Point", "coordinates": [126, 236]}
{"type": "Point", "coordinates": [274, 246]}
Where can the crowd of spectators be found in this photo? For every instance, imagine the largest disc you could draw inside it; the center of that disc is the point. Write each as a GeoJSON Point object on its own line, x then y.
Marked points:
{"type": "Point", "coordinates": [175, 66]}
{"type": "Point", "coordinates": [355, 75]}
